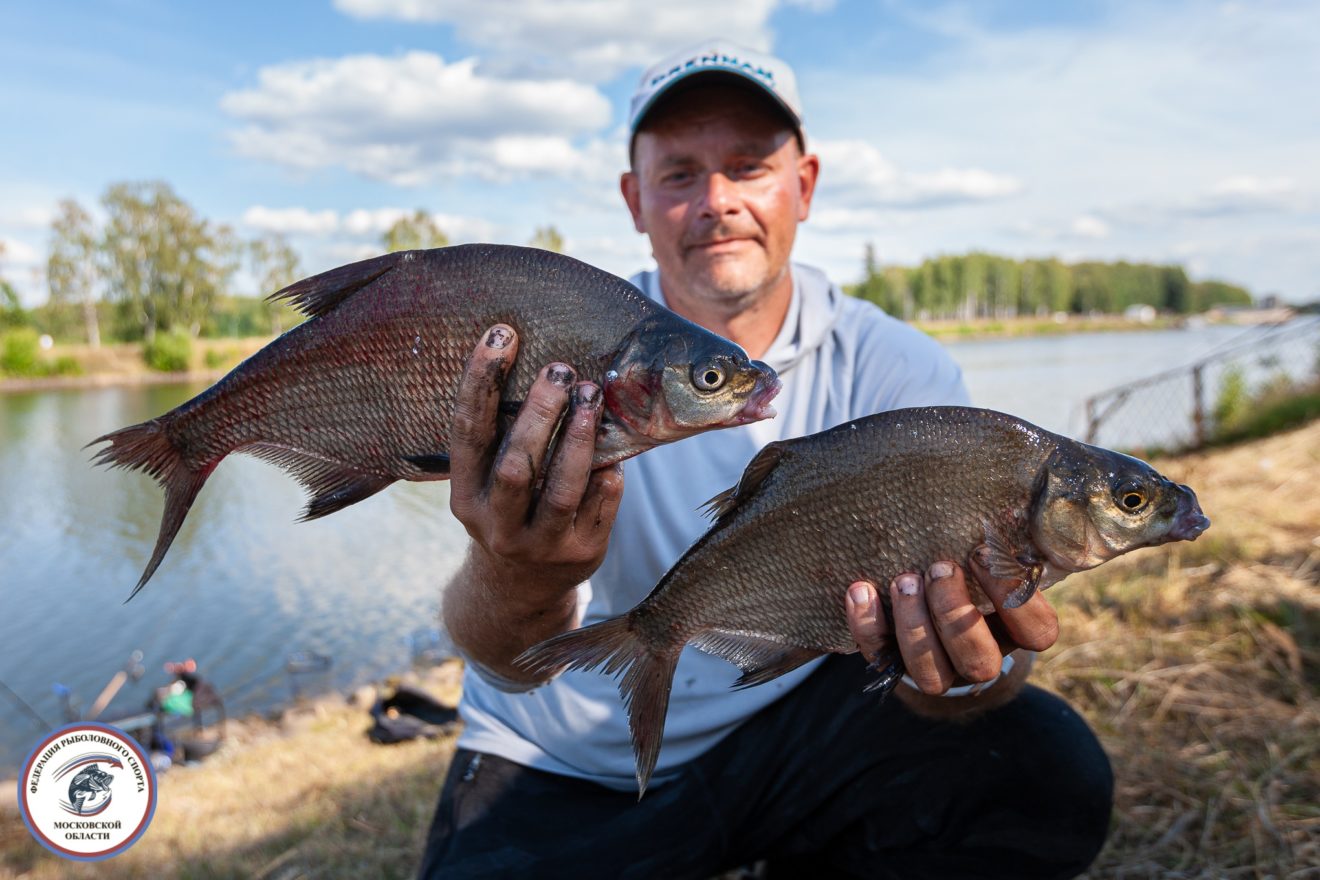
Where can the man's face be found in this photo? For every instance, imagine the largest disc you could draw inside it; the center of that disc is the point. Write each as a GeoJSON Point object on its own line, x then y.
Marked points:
{"type": "Point", "coordinates": [719, 184]}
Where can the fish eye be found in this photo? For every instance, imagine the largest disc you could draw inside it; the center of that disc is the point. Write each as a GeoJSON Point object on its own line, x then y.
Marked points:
{"type": "Point", "coordinates": [1131, 497]}
{"type": "Point", "coordinates": [708, 376]}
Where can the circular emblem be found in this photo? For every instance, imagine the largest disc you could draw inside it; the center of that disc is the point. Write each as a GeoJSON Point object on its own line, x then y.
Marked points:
{"type": "Point", "coordinates": [87, 791]}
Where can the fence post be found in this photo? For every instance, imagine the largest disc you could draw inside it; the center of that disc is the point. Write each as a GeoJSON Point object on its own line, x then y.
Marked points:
{"type": "Point", "coordinates": [1198, 405]}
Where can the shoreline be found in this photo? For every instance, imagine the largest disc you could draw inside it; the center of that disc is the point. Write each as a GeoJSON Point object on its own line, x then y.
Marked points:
{"type": "Point", "coordinates": [107, 380]}
{"type": "Point", "coordinates": [120, 365]}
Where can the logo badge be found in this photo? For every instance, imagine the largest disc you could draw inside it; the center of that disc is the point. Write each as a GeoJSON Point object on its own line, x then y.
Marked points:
{"type": "Point", "coordinates": [87, 791]}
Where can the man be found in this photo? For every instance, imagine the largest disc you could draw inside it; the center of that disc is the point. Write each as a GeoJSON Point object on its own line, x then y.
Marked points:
{"type": "Point", "coordinates": [806, 772]}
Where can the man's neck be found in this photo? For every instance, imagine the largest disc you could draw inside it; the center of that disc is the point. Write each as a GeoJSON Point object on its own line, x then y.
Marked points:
{"type": "Point", "coordinates": [753, 321]}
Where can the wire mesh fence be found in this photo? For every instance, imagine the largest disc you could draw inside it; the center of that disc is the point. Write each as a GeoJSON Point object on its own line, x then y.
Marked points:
{"type": "Point", "coordinates": [1183, 408]}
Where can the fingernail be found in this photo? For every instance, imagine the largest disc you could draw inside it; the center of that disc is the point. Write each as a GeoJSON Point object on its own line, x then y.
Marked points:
{"type": "Point", "coordinates": [498, 337]}
{"type": "Point", "coordinates": [908, 584]}
{"type": "Point", "coordinates": [940, 570]}
{"type": "Point", "coordinates": [586, 395]}
{"type": "Point", "coordinates": [861, 598]}
{"type": "Point", "coordinates": [560, 375]}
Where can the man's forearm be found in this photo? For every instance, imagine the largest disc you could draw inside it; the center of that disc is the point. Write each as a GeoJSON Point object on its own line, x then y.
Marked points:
{"type": "Point", "coordinates": [494, 612]}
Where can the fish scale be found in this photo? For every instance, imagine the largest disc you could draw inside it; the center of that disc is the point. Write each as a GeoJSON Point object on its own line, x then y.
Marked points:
{"type": "Point", "coordinates": [868, 500]}
{"type": "Point", "coordinates": [362, 393]}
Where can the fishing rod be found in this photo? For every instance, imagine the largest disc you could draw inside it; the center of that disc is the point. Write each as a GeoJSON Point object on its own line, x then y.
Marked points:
{"type": "Point", "coordinates": [23, 704]}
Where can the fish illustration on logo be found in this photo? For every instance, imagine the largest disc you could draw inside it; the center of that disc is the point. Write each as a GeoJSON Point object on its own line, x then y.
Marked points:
{"type": "Point", "coordinates": [89, 789]}
{"type": "Point", "coordinates": [89, 792]}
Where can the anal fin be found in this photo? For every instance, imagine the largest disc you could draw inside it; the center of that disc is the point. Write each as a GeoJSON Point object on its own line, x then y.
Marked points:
{"type": "Point", "coordinates": [761, 659]}
{"type": "Point", "coordinates": [333, 485]}
{"type": "Point", "coordinates": [349, 489]}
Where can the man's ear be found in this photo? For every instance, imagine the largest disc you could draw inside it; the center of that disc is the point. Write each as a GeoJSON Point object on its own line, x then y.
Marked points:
{"type": "Point", "coordinates": [631, 187]}
{"type": "Point", "coordinates": [808, 170]}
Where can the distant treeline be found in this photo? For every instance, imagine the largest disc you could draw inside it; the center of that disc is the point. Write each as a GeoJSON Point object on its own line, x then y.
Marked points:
{"type": "Point", "coordinates": [980, 285]}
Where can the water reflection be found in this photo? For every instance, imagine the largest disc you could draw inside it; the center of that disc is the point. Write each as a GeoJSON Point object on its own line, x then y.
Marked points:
{"type": "Point", "coordinates": [242, 587]}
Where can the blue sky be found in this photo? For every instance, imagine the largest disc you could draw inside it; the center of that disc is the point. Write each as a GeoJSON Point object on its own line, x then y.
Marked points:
{"type": "Point", "coordinates": [1183, 132]}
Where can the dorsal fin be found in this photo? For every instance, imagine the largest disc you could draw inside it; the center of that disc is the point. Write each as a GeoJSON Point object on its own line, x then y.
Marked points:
{"type": "Point", "coordinates": [321, 293]}
{"type": "Point", "coordinates": [755, 473]}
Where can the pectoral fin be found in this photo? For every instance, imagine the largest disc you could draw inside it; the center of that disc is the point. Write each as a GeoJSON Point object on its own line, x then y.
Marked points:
{"type": "Point", "coordinates": [1008, 563]}
{"type": "Point", "coordinates": [1019, 597]}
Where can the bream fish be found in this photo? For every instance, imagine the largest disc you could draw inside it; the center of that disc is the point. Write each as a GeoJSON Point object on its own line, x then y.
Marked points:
{"type": "Point", "coordinates": [868, 500]}
{"type": "Point", "coordinates": [361, 394]}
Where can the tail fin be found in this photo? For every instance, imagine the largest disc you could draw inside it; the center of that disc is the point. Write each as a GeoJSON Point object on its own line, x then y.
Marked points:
{"type": "Point", "coordinates": [647, 678]}
{"type": "Point", "coordinates": [147, 448]}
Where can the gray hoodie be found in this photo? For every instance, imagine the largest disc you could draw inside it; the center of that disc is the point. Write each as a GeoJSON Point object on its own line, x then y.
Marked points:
{"type": "Point", "coordinates": [839, 358]}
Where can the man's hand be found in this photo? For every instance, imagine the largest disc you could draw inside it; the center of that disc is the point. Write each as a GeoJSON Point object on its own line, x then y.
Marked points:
{"type": "Point", "coordinates": [539, 522]}
{"type": "Point", "coordinates": [941, 634]}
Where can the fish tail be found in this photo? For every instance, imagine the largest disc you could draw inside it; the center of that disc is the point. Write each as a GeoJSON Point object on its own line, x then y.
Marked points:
{"type": "Point", "coordinates": [646, 678]}
{"type": "Point", "coordinates": [148, 448]}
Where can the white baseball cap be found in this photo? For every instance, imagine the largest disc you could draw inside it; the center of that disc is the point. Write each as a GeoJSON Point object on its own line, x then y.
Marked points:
{"type": "Point", "coordinates": [724, 58]}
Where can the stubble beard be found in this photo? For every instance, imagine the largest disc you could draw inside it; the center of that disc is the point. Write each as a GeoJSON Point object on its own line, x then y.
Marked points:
{"type": "Point", "coordinates": [734, 292]}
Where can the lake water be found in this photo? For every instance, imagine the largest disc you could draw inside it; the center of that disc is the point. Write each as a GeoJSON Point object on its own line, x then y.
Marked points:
{"type": "Point", "coordinates": [244, 585]}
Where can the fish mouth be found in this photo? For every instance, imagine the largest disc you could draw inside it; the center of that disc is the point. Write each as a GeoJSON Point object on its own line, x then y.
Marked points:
{"type": "Point", "coordinates": [1189, 526]}
{"type": "Point", "coordinates": [1191, 521]}
{"type": "Point", "coordinates": [758, 405]}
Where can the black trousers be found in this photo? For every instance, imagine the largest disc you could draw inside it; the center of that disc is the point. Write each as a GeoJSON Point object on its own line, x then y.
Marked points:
{"type": "Point", "coordinates": [826, 782]}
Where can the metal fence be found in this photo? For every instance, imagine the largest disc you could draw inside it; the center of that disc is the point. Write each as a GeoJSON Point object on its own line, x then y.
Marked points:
{"type": "Point", "coordinates": [1180, 409]}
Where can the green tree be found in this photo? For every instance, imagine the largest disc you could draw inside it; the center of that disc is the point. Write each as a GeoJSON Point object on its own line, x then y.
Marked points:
{"type": "Point", "coordinates": [275, 265]}
{"type": "Point", "coordinates": [12, 313]}
{"type": "Point", "coordinates": [414, 232]}
{"type": "Point", "coordinates": [72, 269]}
{"type": "Point", "coordinates": [164, 265]}
{"type": "Point", "coordinates": [1210, 293]}
{"type": "Point", "coordinates": [547, 238]}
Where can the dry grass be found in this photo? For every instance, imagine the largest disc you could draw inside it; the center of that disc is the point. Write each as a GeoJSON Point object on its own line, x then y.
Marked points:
{"type": "Point", "coordinates": [1199, 666]}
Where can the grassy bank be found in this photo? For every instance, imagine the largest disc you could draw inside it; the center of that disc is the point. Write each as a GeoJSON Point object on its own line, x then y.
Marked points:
{"type": "Point", "coordinates": [1002, 328]}
{"type": "Point", "coordinates": [1199, 666]}
{"type": "Point", "coordinates": [125, 364]}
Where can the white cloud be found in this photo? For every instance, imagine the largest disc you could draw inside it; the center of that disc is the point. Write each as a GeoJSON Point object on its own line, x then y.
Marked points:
{"type": "Point", "coordinates": [591, 40]}
{"type": "Point", "coordinates": [374, 222]}
{"type": "Point", "coordinates": [1087, 226]}
{"type": "Point", "coordinates": [1245, 193]}
{"type": "Point", "coordinates": [291, 221]}
{"type": "Point", "coordinates": [1230, 198]}
{"type": "Point", "coordinates": [360, 223]}
{"type": "Point", "coordinates": [18, 254]}
{"type": "Point", "coordinates": [855, 173]}
{"type": "Point", "coordinates": [23, 266]}
{"type": "Point", "coordinates": [412, 118]}
{"type": "Point", "coordinates": [30, 217]}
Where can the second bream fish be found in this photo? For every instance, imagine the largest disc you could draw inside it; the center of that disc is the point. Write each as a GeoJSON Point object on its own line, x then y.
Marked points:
{"type": "Point", "coordinates": [362, 393]}
{"type": "Point", "coordinates": [868, 500]}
